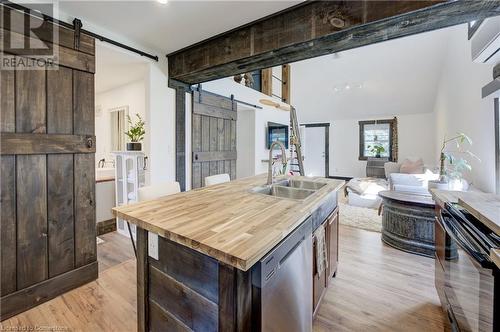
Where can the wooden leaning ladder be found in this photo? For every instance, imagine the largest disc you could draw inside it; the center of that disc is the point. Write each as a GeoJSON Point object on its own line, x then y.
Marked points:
{"type": "Point", "coordinates": [296, 161]}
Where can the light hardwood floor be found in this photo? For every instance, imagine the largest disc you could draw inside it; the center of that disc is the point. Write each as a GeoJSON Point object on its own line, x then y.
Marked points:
{"type": "Point", "coordinates": [116, 249]}
{"type": "Point", "coordinates": [377, 288]}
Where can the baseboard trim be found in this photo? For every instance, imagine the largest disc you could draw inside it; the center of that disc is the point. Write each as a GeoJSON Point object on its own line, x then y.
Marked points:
{"type": "Point", "coordinates": [106, 226]}
{"type": "Point", "coordinates": [27, 298]}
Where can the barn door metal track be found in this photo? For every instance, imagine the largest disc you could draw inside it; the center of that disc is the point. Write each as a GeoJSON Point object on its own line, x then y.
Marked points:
{"type": "Point", "coordinates": [77, 27]}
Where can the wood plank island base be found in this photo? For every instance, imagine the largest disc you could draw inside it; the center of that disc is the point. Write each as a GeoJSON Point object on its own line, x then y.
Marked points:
{"type": "Point", "coordinates": [211, 245]}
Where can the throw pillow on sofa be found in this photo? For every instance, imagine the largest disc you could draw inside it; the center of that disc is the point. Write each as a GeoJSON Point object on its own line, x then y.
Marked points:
{"type": "Point", "coordinates": [412, 167]}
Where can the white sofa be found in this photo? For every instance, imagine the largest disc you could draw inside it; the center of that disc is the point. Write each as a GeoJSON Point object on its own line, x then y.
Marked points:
{"type": "Point", "coordinates": [413, 183]}
{"type": "Point", "coordinates": [363, 192]}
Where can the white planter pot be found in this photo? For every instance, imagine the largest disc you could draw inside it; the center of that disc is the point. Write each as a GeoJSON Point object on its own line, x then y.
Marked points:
{"type": "Point", "coordinates": [438, 185]}
{"type": "Point", "coordinates": [458, 185]}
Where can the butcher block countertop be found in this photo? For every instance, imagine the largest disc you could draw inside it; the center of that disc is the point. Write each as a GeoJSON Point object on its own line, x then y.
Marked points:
{"type": "Point", "coordinates": [485, 207]}
{"type": "Point", "coordinates": [226, 221]}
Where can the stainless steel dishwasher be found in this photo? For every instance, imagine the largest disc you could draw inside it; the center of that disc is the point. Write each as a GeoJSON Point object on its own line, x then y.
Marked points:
{"type": "Point", "coordinates": [284, 277]}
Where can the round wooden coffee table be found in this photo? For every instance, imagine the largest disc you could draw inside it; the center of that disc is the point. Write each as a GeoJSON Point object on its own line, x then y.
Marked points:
{"type": "Point", "coordinates": [408, 222]}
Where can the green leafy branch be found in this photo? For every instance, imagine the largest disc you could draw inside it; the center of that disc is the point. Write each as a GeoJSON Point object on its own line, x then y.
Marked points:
{"type": "Point", "coordinates": [376, 149]}
{"type": "Point", "coordinates": [136, 131]}
{"type": "Point", "coordinates": [456, 165]}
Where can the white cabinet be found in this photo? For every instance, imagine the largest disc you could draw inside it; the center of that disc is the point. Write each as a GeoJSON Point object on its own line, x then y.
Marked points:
{"type": "Point", "coordinates": [130, 175]}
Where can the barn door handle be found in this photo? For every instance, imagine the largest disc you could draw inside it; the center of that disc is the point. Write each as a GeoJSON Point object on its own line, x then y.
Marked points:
{"type": "Point", "coordinates": [196, 157]}
{"type": "Point", "coordinates": [90, 142]}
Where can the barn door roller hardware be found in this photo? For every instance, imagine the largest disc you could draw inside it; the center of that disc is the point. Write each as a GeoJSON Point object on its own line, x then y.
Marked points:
{"type": "Point", "coordinates": [77, 25]}
{"type": "Point", "coordinates": [198, 88]}
{"type": "Point", "coordinates": [77, 28]}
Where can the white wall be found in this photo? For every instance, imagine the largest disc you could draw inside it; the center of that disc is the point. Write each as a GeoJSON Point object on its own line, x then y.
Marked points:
{"type": "Point", "coordinates": [416, 136]}
{"type": "Point", "coordinates": [245, 142]}
{"type": "Point", "coordinates": [161, 119]}
{"type": "Point", "coordinates": [132, 95]}
{"type": "Point", "coordinates": [460, 108]}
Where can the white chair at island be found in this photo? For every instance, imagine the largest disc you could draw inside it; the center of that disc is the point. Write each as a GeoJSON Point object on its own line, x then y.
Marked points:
{"type": "Point", "coordinates": [216, 179]}
{"type": "Point", "coordinates": [158, 190]}
{"type": "Point", "coordinates": [153, 192]}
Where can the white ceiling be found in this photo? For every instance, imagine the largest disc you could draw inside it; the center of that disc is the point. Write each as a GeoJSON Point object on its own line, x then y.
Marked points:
{"type": "Point", "coordinates": [115, 67]}
{"type": "Point", "coordinates": [398, 77]}
{"type": "Point", "coordinates": [172, 26]}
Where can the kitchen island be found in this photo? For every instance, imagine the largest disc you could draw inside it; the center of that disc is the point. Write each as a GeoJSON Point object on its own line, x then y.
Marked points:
{"type": "Point", "coordinates": [209, 241]}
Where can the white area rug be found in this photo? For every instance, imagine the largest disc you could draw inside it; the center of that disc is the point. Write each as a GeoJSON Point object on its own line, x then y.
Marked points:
{"type": "Point", "coordinates": [360, 217]}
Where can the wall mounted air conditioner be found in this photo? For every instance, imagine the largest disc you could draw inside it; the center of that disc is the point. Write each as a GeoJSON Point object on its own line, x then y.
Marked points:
{"type": "Point", "coordinates": [485, 42]}
{"type": "Point", "coordinates": [485, 48]}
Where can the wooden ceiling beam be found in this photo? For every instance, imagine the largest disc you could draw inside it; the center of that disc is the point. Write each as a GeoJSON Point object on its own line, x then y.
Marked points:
{"type": "Point", "coordinates": [317, 28]}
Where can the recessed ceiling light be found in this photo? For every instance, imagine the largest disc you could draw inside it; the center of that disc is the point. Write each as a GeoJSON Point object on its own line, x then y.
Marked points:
{"type": "Point", "coordinates": [163, 2]}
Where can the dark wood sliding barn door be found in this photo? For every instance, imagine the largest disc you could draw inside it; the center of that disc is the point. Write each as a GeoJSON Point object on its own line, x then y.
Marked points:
{"type": "Point", "coordinates": [213, 137]}
{"type": "Point", "coordinates": [48, 237]}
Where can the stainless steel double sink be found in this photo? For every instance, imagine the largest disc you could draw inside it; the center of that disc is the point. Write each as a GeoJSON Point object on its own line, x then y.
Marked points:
{"type": "Point", "coordinates": [296, 189]}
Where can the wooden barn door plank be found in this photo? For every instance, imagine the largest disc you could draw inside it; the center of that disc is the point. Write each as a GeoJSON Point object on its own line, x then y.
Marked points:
{"type": "Point", "coordinates": [31, 199]}
{"type": "Point", "coordinates": [60, 214]}
{"type": "Point", "coordinates": [59, 101]}
{"type": "Point", "coordinates": [8, 224]}
{"type": "Point", "coordinates": [196, 144]}
{"type": "Point", "coordinates": [7, 106]}
{"type": "Point", "coordinates": [214, 165]}
{"type": "Point", "coordinates": [31, 181]}
{"type": "Point", "coordinates": [60, 174]}
{"type": "Point", "coordinates": [233, 148]}
{"type": "Point", "coordinates": [205, 146]}
{"type": "Point", "coordinates": [83, 103]}
{"type": "Point", "coordinates": [8, 188]}
{"type": "Point", "coordinates": [30, 101]}
{"type": "Point", "coordinates": [85, 227]}
{"type": "Point", "coordinates": [84, 170]}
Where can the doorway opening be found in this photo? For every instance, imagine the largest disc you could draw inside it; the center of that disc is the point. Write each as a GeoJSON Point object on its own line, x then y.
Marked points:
{"type": "Point", "coordinates": [316, 145]}
{"type": "Point", "coordinates": [121, 83]}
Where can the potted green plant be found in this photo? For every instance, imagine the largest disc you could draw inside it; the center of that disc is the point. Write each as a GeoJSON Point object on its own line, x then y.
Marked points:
{"type": "Point", "coordinates": [376, 150]}
{"type": "Point", "coordinates": [135, 133]}
{"type": "Point", "coordinates": [452, 164]}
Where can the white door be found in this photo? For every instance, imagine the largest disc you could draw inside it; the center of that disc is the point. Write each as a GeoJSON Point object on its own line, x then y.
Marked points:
{"type": "Point", "coordinates": [314, 152]}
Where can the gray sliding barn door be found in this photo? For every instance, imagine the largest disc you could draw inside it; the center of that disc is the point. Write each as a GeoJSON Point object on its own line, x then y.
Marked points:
{"type": "Point", "coordinates": [213, 137]}
{"type": "Point", "coordinates": [48, 236]}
